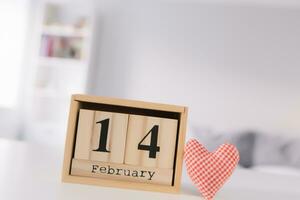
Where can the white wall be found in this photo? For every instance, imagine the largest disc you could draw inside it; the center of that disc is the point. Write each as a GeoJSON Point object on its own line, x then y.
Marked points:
{"type": "Point", "coordinates": [13, 27]}
{"type": "Point", "coordinates": [236, 66]}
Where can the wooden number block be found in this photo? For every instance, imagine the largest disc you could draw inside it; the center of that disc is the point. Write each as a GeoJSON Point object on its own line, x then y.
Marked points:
{"type": "Point", "coordinates": [118, 138]}
{"type": "Point", "coordinates": [135, 133]}
{"type": "Point", "coordinates": [151, 141]}
{"type": "Point", "coordinates": [101, 136]}
{"type": "Point", "coordinates": [167, 138]}
{"type": "Point", "coordinates": [84, 134]}
{"type": "Point", "coordinates": [109, 137]}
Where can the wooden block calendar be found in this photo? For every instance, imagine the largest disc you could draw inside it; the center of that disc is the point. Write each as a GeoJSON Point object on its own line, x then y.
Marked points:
{"type": "Point", "coordinates": [124, 143]}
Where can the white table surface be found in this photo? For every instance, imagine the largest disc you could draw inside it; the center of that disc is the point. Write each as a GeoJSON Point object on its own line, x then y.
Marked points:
{"type": "Point", "coordinates": [31, 171]}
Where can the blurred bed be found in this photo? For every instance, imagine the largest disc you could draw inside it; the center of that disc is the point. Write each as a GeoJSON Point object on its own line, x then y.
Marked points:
{"type": "Point", "coordinates": [259, 151]}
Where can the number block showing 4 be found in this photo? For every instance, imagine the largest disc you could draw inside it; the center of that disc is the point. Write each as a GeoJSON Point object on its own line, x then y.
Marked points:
{"type": "Point", "coordinates": [151, 141]}
{"type": "Point", "coordinates": [101, 136]}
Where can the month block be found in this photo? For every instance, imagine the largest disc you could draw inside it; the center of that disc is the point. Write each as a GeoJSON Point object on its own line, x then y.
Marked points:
{"type": "Point", "coordinates": [122, 172]}
{"type": "Point", "coordinates": [124, 143]}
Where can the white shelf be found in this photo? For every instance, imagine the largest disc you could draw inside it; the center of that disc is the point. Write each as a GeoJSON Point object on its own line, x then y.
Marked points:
{"type": "Point", "coordinates": [64, 31]}
{"type": "Point", "coordinates": [53, 79]}
{"type": "Point", "coordinates": [61, 62]}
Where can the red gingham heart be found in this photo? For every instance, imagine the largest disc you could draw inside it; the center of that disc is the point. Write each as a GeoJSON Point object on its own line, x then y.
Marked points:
{"type": "Point", "coordinates": [210, 170]}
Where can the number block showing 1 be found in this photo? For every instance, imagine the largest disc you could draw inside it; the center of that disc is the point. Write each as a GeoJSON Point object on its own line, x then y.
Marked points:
{"type": "Point", "coordinates": [101, 136]}
{"type": "Point", "coordinates": [151, 141]}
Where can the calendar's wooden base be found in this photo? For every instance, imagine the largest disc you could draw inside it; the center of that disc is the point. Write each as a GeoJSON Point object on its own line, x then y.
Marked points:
{"type": "Point", "coordinates": [130, 124]}
{"type": "Point", "coordinates": [121, 172]}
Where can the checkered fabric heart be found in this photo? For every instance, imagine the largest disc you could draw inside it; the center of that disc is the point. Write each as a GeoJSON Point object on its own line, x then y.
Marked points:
{"type": "Point", "coordinates": [210, 170]}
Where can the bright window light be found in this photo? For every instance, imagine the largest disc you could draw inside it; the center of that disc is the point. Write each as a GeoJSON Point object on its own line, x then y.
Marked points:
{"type": "Point", "coordinates": [13, 23]}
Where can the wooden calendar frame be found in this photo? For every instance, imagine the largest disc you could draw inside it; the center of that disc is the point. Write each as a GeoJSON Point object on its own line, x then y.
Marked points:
{"type": "Point", "coordinates": [126, 106]}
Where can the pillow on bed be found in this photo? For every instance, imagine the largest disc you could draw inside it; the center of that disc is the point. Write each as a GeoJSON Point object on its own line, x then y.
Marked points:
{"type": "Point", "coordinates": [244, 142]}
{"type": "Point", "coordinates": [276, 150]}
{"type": "Point", "coordinates": [294, 153]}
{"type": "Point", "coordinates": [256, 149]}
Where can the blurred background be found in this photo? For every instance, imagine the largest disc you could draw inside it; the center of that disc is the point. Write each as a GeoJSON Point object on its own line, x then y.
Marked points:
{"type": "Point", "coordinates": [235, 64]}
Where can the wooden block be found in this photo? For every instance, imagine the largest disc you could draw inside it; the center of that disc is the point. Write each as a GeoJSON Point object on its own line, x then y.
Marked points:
{"type": "Point", "coordinates": [95, 143]}
{"type": "Point", "coordinates": [146, 160]}
{"type": "Point", "coordinates": [118, 138]}
{"type": "Point", "coordinates": [141, 128]}
{"type": "Point", "coordinates": [84, 134]}
{"type": "Point", "coordinates": [110, 130]}
{"type": "Point", "coordinates": [121, 172]}
{"type": "Point", "coordinates": [167, 136]}
{"type": "Point", "coordinates": [136, 128]}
